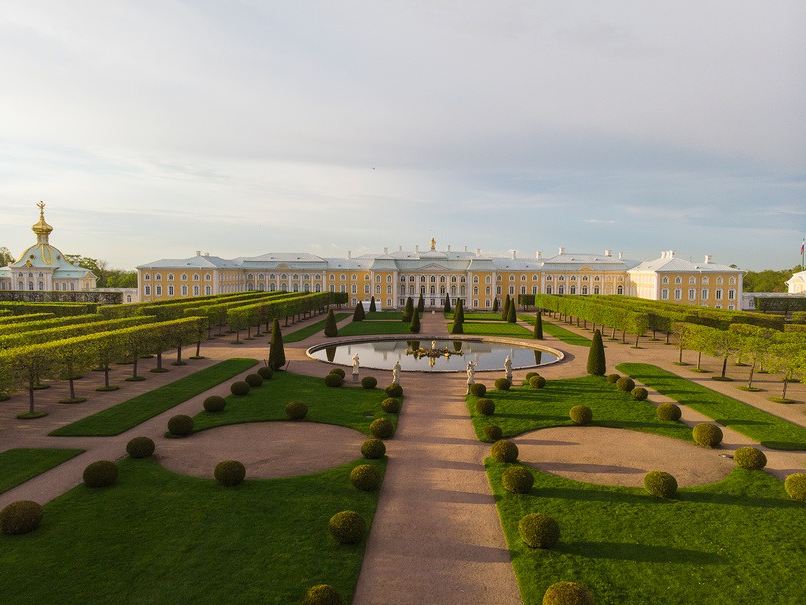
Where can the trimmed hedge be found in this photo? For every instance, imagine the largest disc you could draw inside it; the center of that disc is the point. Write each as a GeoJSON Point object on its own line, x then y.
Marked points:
{"type": "Point", "coordinates": [537, 382]}
{"type": "Point", "coordinates": [391, 405]}
{"type": "Point", "coordinates": [21, 517]}
{"type": "Point", "coordinates": [669, 411]}
{"type": "Point", "coordinates": [613, 378]}
{"type": "Point", "coordinates": [625, 383]}
{"type": "Point", "coordinates": [581, 415]}
{"type": "Point", "coordinates": [382, 428]}
{"type": "Point", "coordinates": [502, 384]}
{"type": "Point", "coordinates": [639, 393]}
{"type": "Point", "coordinates": [394, 390]}
{"type": "Point", "coordinates": [253, 380]}
{"type": "Point", "coordinates": [369, 382]}
{"type": "Point", "coordinates": [795, 486]}
{"type": "Point", "coordinates": [101, 473]}
{"type": "Point", "coordinates": [707, 434]}
{"type": "Point", "coordinates": [660, 484]}
{"type": "Point", "coordinates": [493, 432]}
{"type": "Point", "coordinates": [504, 450]}
{"type": "Point", "coordinates": [229, 472]}
{"type": "Point", "coordinates": [214, 403]}
{"type": "Point", "coordinates": [181, 425]}
{"type": "Point", "coordinates": [485, 407]}
{"type": "Point", "coordinates": [539, 531]}
{"type": "Point", "coordinates": [517, 480]}
{"type": "Point", "coordinates": [478, 389]}
{"type": "Point", "coordinates": [265, 372]}
{"type": "Point", "coordinates": [365, 477]}
{"type": "Point", "coordinates": [567, 593]}
{"type": "Point", "coordinates": [239, 388]}
{"type": "Point", "coordinates": [339, 371]}
{"type": "Point", "coordinates": [322, 594]}
{"type": "Point", "coordinates": [372, 449]}
{"type": "Point", "coordinates": [296, 410]}
{"type": "Point", "coordinates": [749, 457]}
{"type": "Point", "coordinates": [347, 527]}
{"type": "Point", "coordinates": [334, 380]}
{"type": "Point", "coordinates": [140, 447]}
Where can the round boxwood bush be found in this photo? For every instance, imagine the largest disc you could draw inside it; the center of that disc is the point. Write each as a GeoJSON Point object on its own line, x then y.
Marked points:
{"type": "Point", "coordinates": [478, 389]}
{"type": "Point", "coordinates": [539, 531]}
{"type": "Point", "coordinates": [334, 380]}
{"type": "Point", "coordinates": [229, 472]}
{"type": "Point", "coordinates": [394, 390]}
{"type": "Point", "coordinates": [253, 380]}
{"type": "Point", "coordinates": [504, 450]}
{"type": "Point", "coordinates": [581, 414]}
{"type": "Point", "coordinates": [322, 594]}
{"type": "Point", "coordinates": [338, 371]}
{"type": "Point", "coordinates": [365, 477]}
{"type": "Point", "coordinates": [485, 406]}
{"type": "Point", "coordinates": [239, 388]}
{"type": "Point", "coordinates": [214, 403]}
{"type": "Point", "coordinates": [140, 447]}
{"type": "Point", "coordinates": [529, 375]}
{"type": "Point", "coordinates": [21, 517]}
{"type": "Point", "coordinates": [296, 410]}
{"type": "Point", "coordinates": [391, 405]}
{"type": "Point", "coordinates": [613, 378]}
{"type": "Point", "coordinates": [567, 593]}
{"type": "Point", "coordinates": [100, 473]}
{"type": "Point", "coordinates": [369, 382]}
{"type": "Point", "coordinates": [347, 527]}
{"type": "Point", "coordinates": [537, 382]}
{"type": "Point", "coordinates": [493, 432]}
{"type": "Point", "coordinates": [502, 384]}
{"type": "Point", "coordinates": [373, 449]}
{"type": "Point", "coordinates": [660, 484]}
{"type": "Point", "coordinates": [750, 458]}
{"type": "Point", "coordinates": [180, 425]}
{"type": "Point", "coordinates": [265, 372]}
{"type": "Point", "coordinates": [795, 486]}
{"type": "Point", "coordinates": [707, 434]}
{"type": "Point", "coordinates": [517, 480]}
{"type": "Point", "coordinates": [639, 393]}
{"type": "Point", "coordinates": [625, 383]}
{"type": "Point", "coordinates": [669, 411]}
{"type": "Point", "coordinates": [382, 428]}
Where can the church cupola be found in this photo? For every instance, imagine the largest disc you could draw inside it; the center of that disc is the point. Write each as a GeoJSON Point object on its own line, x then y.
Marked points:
{"type": "Point", "coordinates": [42, 229]}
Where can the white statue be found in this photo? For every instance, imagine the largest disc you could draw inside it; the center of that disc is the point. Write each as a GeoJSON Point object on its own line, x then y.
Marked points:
{"type": "Point", "coordinates": [470, 373]}
{"type": "Point", "coordinates": [508, 368]}
{"type": "Point", "coordinates": [396, 373]}
{"type": "Point", "coordinates": [355, 364]}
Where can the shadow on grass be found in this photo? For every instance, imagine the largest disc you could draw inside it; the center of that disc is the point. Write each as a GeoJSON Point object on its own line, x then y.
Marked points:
{"type": "Point", "coordinates": [643, 553]}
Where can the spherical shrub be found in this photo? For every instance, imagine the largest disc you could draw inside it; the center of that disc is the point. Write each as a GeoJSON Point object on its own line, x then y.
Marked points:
{"type": "Point", "coordinates": [795, 486]}
{"type": "Point", "coordinates": [517, 480]}
{"type": "Point", "coordinates": [567, 593]}
{"type": "Point", "coordinates": [100, 473]}
{"type": "Point", "coordinates": [140, 447]}
{"type": "Point", "coordinates": [239, 388]}
{"type": "Point", "coordinates": [338, 371]}
{"type": "Point", "coordinates": [581, 414]}
{"type": "Point", "coordinates": [669, 411]}
{"type": "Point", "coordinates": [639, 393]}
{"type": "Point", "coordinates": [322, 594]}
{"type": "Point", "coordinates": [625, 383]}
{"type": "Point", "coordinates": [502, 384]}
{"type": "Point", "coordinates": [537, 382]}
{"type": "Point", "coordinates": [485, 406]}
{"type": "Point", "coordinates": [707, 434]}
{"type": "Point", "coordinates": [21, 517]}
{"type": "Point", "coordinates": [229, 472]}
{"type": "Point", "coordinates": [334, 380]}
{"type": "Point", "coordinates": [504, 450]}
{"type": "Point", "coordinates": [265, 372]}
{"type": "Point", "coordinates": [613, 378]}
{"type": "Point", "coordinates": [180, 425]}
{"type": "Point", "coordinates": [539, 531]}
{"type": "Point", "coordinates": [347, 527]}
{"type": "Point", "coordinates": [529, 375]}
{"type": "Point", "coordinates": [214, 403]}
{"type": "Point", "coordinates": [382, 428]}
{"type": "Point", "coordinates": [493, 432]}
{"type": "Point", "coordinates": [660, 484]}
{"type": "Point", "coordinates": [365, 477]}
{"type": "Point", "coordinates": [394, 390]}
{"type": "Point", "coordinates": [750, 458]}
{"type": "Point", "coordinates": [296, 410]}
{"type": "Point", "coordinates": [369, 382]}
{"type": "Point", "coordinates": [253, 380]}
{"type": "Point", "coordinates": [373, 449]}
{"type": "Point", "coordinates": [478, 389]}
{"type": "Point", "coordinates": [391, 405]}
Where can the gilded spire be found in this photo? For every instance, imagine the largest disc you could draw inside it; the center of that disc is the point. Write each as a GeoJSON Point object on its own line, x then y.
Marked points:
{"type": "Point", "coordinates": [433, 244]}
{"type": "Point", "coordinates": [42, 229]}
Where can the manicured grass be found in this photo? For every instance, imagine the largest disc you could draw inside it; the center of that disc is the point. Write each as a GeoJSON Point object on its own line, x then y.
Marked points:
{"type": "Point", "coordinates": [477, 317]}
{"type": "Point", "coordinates": [760, 426]}
{"type": "Point", "coordinates": [360, 328]}
{"type": "Point", "coordinates": [559, 332]}
{"type": "Point", "coordinates": [385, 315]}
{"type": "Point", "coordinates": [476, 328]}
{"type": "Point", "coordinates": [625, 546]}
{"type": "Point", "coordinates": [159, 537]}
{"type": "Point", "coordinates": [20, 464]}
{"type": "Point", "coordinates": [524, 409]}
{"type": "Point", "coordinates": [312, 329]}
{"type": "Point", "coordinates": [353, 407]}
{"type": "Point", "coordinates": [129, 414]}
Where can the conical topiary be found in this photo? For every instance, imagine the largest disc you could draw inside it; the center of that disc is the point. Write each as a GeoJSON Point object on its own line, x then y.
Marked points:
{"type": "Point", "coordinates": [408, 310]}
{"type": "Point", "coordinates": [596, 356]}
{"type": "Point", "coordinates": [457, 328]}
{"type": "Point", "coordinates": [538, 333]}
{"type": "Point", "coordinates": [358, 314]}
{"type": "Point", "coordinates": [447, 303]}
{"type": "Point", "coordinates": [459, 314]}
{"type": "Point", "coordinates": [421, 304]}
{"type": "Point", "coordinates": [330, 324]}
{"type": "Point", "coordinates": [414, 326]}
{"type": "Point", "coordinates": [511, 315]}
{"type": "Point", "coordinates": [495, 305]}
{"type": "Point", "coordinates": [372, 307]}
{"type": "Point", "coordinates": [276, 351]}
{"type": "Point", "coordinates": [505, 310]}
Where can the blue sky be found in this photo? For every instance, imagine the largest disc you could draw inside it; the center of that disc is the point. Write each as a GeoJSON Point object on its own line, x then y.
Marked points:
{"type": "Point", "coordinates": [155, 128]}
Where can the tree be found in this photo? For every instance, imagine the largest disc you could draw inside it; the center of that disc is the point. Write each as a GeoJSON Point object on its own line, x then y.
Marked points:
{"type": "Point", "coordinates": [98, 267]}
{"type": "Point", "coordinates": [6, 258]}
{"type": "Point", "coordinates": [331, 329]}
{"type": "Point", "coordinates": [372, 307]}
{"type": "Point", "coordinates": [596, 355]}
{"type": "Point", "coordinates": [447, 303]}
{"type": "Point", "coordinates": [414, 326]}
{"type": "Point", "coordinates": [119, 278]}
{"type": "Point", "coordinates": [408, 310]}
{"type": "Point", "coordinates": [276, 351]}
{"type": "Point", "coordinates": [495, 305]}
{"type": "Point", "coordinates": [788, 356]}
{"type": "Point", "coordinates": [505, 310]}
{"type": "Point", "coordinates": [358, 314]}
{"type": "Point", "coordinates": [459, 313]}
{"type": "Point", "coordinates": [538, 333]}
{"type": "Point", "coordinates": [511, 314]}
{"type": "Point", "coordinates": [420, 304]}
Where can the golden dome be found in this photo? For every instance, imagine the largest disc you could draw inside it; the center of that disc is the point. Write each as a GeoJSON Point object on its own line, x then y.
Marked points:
{"type": "Point", "coordinates": [42, 229]}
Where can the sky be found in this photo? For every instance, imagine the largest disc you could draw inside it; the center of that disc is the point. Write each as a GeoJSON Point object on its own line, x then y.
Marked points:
{"type": "Point", "coordinates": [155, 128]}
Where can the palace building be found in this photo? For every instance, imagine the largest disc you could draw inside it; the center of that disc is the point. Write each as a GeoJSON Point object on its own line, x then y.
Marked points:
{"type": "Point", "coordinates": [478, 279]}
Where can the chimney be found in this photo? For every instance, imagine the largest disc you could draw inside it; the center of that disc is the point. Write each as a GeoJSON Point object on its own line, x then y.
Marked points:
{"type": "Point", "coordinates": [514, 253]}
{"type": "Point", "coordinates": [621, 256]}
{"type": "Point", "coordinates": [608, 253]}
{"type": "Point", "coordinates": [539, 254]}
{"type": "Point", "coordinates": [198, 252]}
{"type": "Point", "coordinates": [562, 250]}
{"type": "Point", "coordinates": [449, 247]}
{"type": "Point", "coordinates": [385, 250]}
{"type": "Point", "coordinates": [707, 258]}
{"type": "Point", "coordinates": [400, 248]}
{"type": "Point", "coordinates": [465, 248]}
{"type": "Point", "coordinates": [417, 247]}
{"type": "Point", "coordinates": [349, 254]}
{"type": "Point", "coordinates": [478, 251]}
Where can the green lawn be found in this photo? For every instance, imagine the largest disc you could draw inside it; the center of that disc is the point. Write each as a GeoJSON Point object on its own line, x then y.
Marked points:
{"type": "Point", "coordinates": [477, 317]}
{"type": "Point", "coordinates": [312, 329]}
{"type": "Point", "coordinates": [354, 407]}
{"type": "Point", "coordinates": [160, 537]}
{"type": "Point", "coordinates": [736, 541]}
{"type": "Point", "coordinates": [558, 332]}
{"type": "Point", "coordinates": [760, 426]}
{"type": "Point", "coordinates": [385, 315]}
{"type": "Point", "coordinates": [129, 414]}
{"type": "Point", "coordinates": [476, 328]}
{"type": "Point", "coordinates": [20, 464]}
{"type": "Point", "coordinates": [524, 409]}
{"type": "Point", "coordinates": [360, 328]}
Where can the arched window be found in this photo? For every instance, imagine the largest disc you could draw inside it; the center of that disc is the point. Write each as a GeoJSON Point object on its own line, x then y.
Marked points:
{"type": "Point", "coordinates": [665, 280]}
{"type": "Point", "coordinates": [196, 278]}
{"type": "Point", "coordinates": [170, 277]}
{"type": "Point", "coordinates": [378, 279]}
{"type": "Point", "coordinates": [523, 277]}
{"type": "Point", "coordinates": [250, 276]}
{"type": "Point", "coordinates": [475, 279]}
{"type": "Point", "coordinates": [184, 277]}
{"type": "Point", "coordinates": [678, 280]}
{"type": "Point", "coordinates": [158, 276]}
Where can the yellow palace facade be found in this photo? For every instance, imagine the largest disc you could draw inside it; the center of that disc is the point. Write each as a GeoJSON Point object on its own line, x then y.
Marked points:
{"type": "Point", "coordinates": [478, 279]}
